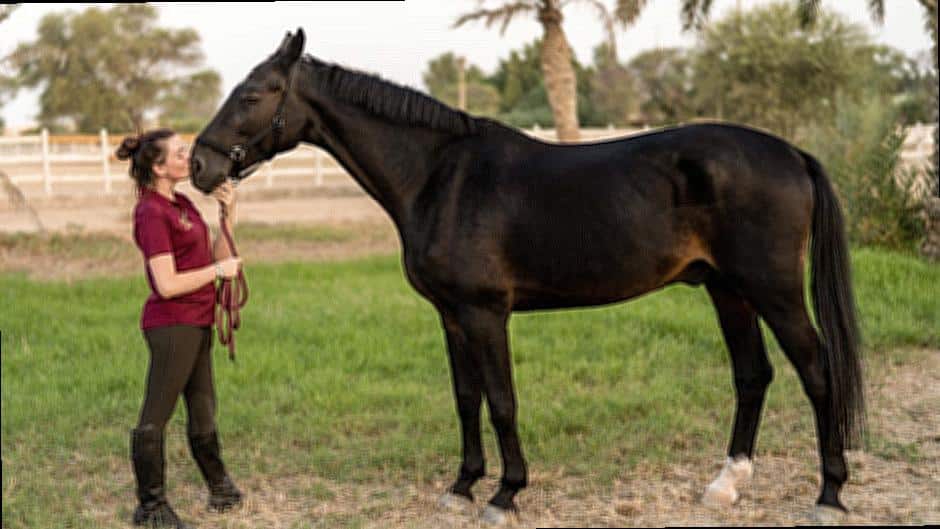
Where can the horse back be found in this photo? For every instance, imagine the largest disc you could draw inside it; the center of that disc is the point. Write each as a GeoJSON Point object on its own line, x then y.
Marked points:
{"type": "Point", "coordinates": [571, 225]}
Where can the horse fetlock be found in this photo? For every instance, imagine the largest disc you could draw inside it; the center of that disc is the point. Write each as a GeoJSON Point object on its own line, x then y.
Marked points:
{"type": "Point", "coordinates": [829, 497]}
{"type": "Point", "coordinates": [471, 473]}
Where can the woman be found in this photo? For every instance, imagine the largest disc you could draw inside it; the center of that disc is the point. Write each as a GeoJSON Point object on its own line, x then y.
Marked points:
{"type": "Point", "coordinates": [177, 320]}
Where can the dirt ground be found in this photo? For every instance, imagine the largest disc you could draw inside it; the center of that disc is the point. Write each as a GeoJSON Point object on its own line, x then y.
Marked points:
{"type": "Point", "coordinates": [112, 213]}
{"type": "Point", "coordinates": [888, 487]}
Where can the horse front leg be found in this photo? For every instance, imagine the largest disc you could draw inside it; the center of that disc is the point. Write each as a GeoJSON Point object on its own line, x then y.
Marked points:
{"type": "Point", "coordinates": [487, 342]}
{"type": "Point", "coordinates": [468, 392]}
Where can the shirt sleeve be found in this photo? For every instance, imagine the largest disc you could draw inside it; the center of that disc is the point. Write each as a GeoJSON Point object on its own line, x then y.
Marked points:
{"type": "Point", "coordinates": [152, 232]}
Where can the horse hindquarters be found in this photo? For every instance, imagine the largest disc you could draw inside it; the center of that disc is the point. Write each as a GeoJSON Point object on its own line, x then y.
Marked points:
{"type": "Point", "coordinates": [767, 268]}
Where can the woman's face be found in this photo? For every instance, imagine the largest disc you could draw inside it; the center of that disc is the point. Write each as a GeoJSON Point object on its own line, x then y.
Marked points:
{"type": "Point", "coordinates": [175, 165]}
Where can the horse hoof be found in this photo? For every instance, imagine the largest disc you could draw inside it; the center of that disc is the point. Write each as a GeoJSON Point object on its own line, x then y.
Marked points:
{"type": "Point", "coordinates": [826, 515]}
{"type": "Point", "coordinates": [720, 497]}
{"type": "Point", "coordinates": [497, 517]}
{"type": "Point", "coordinates": [454, 502]}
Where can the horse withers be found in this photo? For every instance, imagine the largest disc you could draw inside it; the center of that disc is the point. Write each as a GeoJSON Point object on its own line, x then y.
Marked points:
{"type": "Point", "coordinates": [493, 221]}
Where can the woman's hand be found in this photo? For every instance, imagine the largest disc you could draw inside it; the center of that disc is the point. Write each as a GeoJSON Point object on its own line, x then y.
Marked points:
{"type": "Point", "coordinates": [230, 266]}
{"type": "Point", "coordinates": [225, 194]}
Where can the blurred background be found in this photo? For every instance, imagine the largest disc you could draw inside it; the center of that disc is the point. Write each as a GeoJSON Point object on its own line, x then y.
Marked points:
{"type": "Point", "coordinates": [853, 82]}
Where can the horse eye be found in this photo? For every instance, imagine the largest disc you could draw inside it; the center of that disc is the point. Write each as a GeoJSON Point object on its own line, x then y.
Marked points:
{"type": "Point", "coordinates": [250, 99]}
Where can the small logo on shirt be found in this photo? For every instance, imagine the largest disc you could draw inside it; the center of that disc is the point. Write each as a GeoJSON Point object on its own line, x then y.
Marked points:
{"type": "Point", "coordinates": [184, 220]}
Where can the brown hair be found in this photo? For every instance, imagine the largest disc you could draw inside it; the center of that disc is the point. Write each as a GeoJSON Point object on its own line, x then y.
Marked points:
{"type": "Point", "coordinates": [143, 151]}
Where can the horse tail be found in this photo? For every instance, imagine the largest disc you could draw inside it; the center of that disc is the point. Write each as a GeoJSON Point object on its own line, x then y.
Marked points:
{"type": "Point", "coordinates": [834, 305]}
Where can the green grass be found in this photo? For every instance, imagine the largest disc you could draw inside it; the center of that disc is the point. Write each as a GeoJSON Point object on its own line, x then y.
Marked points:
{"type": "Point", "coordinates": [342, 374]}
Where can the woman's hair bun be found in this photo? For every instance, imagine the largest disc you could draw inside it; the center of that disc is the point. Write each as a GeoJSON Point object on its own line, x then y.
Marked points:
{"type": "Point", "coordinates": [128, 147]}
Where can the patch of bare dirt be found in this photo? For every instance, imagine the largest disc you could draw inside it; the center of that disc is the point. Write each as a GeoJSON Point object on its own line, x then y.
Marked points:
{"type": "Point", "coordinates": [884, 487]}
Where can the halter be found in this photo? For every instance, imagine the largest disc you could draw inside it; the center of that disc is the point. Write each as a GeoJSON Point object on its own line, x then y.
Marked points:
{"type": "Point", "coordinates": [237, 153]}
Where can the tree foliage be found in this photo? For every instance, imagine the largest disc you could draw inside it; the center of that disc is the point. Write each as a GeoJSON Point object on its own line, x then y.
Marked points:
{"type": "Point", "coordinates": [111, 68]}
{"type": "Point", "coordinates": [6, 11]}
{"type": "Point", "coordinates": [441, 80]}
{"type": "Point", "coordinates": [613, 93]}
{"type": "Point", "coordinates": [664, 82]}
{"type": "Point", "coordinates": [7, 84]}
{"type": "Point", "coordinates": [761, 67]}
{"type": "Point", "coordinates": [187, 104]}
{"type": "Point", "coordinates": [523, 98]}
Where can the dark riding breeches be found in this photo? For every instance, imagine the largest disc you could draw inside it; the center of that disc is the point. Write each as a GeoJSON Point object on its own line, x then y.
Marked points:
{"type": "Point", "coordinates": [180, 362]}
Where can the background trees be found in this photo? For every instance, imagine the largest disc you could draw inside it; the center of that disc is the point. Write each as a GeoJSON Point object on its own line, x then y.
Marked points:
{"type": "Point", "coordinates": [559, 75]}
{"type": "Point", "coordinates": [113, 68]}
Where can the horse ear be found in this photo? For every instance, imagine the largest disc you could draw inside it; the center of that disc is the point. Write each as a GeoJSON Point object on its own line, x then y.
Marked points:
{"type": "Point", "coordinates": [291, 48]}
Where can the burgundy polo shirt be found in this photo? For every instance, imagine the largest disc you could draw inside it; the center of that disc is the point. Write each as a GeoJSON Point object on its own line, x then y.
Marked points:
{"type": "Point", "coordinates": [174, 226]}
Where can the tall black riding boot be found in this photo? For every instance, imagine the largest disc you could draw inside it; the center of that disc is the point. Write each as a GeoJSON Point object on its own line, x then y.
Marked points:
{"type": "Point", "coordinates": [147, 455]}
{"type": "Point", "coordinates": [223, 495]}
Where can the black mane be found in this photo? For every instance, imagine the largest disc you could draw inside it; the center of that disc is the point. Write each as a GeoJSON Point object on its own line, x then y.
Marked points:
{"type": "Point", "coordinates": [389, 100]}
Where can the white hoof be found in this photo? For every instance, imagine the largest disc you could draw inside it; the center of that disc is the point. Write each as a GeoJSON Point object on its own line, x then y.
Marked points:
{"type": "Point", "coordinates": [723, 492]}
{"type": "Point", "coordinates": [454, 503]}
{"type": "Point", "coordinates": [825, 515]}
{"type": "Point", "coordinates": [496, 517]}
{"type": "Point", "coordinates": [720, 497]}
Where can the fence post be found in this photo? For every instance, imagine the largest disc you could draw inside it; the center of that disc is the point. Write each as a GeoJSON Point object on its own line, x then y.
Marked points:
{"type": "Point", "coordinates": [318, 167]}
{"type": "Point", "coordinates": [105, 160]}
{"type": "Point", "coordinates": [46, 173]}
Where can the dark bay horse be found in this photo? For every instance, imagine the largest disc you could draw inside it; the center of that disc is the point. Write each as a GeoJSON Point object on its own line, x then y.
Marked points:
{"type": "Point", "coordinates": [492, 221]}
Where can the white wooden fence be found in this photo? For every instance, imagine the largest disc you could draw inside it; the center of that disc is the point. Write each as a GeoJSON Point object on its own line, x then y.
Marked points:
{"type": "Point", "coordinates": [33, 159]}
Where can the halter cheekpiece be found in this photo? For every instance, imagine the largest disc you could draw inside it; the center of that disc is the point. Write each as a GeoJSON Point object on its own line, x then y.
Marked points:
{"type": "Point", "coordinates": [238, 152]}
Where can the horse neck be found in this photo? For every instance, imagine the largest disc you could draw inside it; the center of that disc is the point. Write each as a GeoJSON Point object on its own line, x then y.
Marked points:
{"type": "Point", "coordinates": [390, 161]}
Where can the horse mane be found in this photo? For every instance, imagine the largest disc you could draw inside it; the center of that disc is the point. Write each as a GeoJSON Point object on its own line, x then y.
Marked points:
{"type": "Point", "coordinates": [389, 100]}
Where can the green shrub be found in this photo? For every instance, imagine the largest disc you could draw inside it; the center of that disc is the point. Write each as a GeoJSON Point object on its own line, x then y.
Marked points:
{"type": "Point", "coordinates": [861, 151]}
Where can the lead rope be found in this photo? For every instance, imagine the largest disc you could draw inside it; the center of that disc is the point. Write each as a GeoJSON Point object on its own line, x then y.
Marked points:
{"type": "Point", "coordinates": [231, 296]}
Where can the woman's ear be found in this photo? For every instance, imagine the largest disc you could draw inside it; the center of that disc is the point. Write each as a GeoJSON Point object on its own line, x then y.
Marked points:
{"type": "Point", "coordinates": [158, 169]}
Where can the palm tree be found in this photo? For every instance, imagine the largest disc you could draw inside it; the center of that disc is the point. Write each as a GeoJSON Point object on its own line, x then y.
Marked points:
{"type": "Point", "coordinates": [557, 70]}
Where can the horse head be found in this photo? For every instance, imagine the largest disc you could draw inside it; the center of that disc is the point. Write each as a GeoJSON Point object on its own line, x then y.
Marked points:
{"type": "Point", "coordinates": [262, 116]}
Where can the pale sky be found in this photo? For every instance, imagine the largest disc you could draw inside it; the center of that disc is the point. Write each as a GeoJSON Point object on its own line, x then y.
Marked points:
{"type": "Point", "coordinates": [397, 39]}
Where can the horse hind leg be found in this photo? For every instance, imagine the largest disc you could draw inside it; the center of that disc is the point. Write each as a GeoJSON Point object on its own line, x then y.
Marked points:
{"type": "Point", "coordinates": [752, 374]}
{"type": "Point", "coordinates": [785, 312]}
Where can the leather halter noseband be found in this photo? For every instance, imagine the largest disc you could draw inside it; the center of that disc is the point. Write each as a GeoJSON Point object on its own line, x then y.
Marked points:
{"type": "Point", "coordinates": [237, 153]}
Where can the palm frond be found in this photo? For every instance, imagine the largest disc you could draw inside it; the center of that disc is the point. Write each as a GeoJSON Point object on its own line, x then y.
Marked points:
{"type": "Point", "coordinates": [627, 11]}
{"type": "Point", "coordinates": [877, 10]}
{"type": "Point", "coordinates": [693, 13]}
{"type": "Point", "coordinates": [808, 11]}
{"type": "Point", "coordinates": [504, 14]}
{"type": "Point", "coordinates": [7, 10]}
